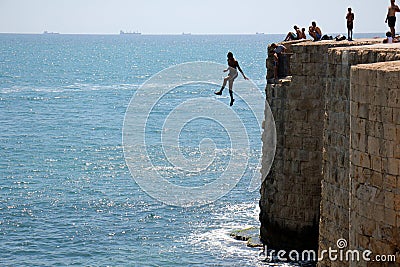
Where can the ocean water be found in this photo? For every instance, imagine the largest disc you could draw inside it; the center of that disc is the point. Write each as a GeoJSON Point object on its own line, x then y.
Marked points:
{"type": "Point", "coordinates": [66, 194]}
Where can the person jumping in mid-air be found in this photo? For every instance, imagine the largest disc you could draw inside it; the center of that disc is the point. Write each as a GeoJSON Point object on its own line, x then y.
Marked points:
{"type": "Point", "coordinates": [233, 67]}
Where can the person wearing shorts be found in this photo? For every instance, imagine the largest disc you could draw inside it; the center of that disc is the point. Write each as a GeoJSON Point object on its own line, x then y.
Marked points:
{"type": "Point", "coordinates": [350, 19]}
{"type": "Point", "coordinates": [391, 16]}
{"type": "Point", "coordinates": [314, 31]}
{"type": "Point", "coordinates": [233, 67]}
{"type": "Point", "coordinates": [278, 50]}
{"type": "Point", "coordinates": [294, 36]}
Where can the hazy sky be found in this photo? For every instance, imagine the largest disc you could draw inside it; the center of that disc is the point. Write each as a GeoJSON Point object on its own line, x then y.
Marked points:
{"type": "Point", "coordinates": [177, 16]}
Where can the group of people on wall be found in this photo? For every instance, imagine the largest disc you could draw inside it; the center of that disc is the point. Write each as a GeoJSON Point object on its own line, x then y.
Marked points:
{"type": "Point", "coordinates": [315, 32]}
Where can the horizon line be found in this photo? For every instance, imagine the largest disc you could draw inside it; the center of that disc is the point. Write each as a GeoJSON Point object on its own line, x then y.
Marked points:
{"type": "Point", "coordinates": [150, 34]}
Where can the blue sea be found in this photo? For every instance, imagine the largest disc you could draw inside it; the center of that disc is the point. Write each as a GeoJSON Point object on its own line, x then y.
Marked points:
{"type": "Point", "coordinates": [67, 196]}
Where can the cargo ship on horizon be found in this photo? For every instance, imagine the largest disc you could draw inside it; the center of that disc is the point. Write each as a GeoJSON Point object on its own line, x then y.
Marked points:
{"type": "Point", "coordinates": [129, 33]}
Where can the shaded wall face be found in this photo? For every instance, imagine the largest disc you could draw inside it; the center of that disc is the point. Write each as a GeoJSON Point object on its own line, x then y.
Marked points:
{"type": "Point", "coordinates": [289, 202]}
{"type": "Point", "coordinates": [375, 159]}
{"type": "Point", "coordinates": [336, 187]}
{"type": "Point", "coordinates": [291, 193]}
{"type": "Point", "coordinates": [312, 116]}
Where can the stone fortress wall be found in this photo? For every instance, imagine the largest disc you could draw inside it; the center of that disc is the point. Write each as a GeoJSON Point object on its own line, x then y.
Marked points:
{"type": "Point", "coordinates": [336, 169]}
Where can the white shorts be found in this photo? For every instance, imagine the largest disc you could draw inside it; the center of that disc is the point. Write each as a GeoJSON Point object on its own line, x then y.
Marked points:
{"type": "Point", "coordinates": [233, 73]}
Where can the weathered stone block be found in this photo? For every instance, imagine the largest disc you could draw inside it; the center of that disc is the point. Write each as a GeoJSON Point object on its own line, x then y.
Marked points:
{"type": "Point", "coordinates": [366, 193]}
{"type": "Point", "coordinates": [381, 57]}
{"type": "Point", "coordinates": [379, 214]}
{"type": "Point", "coordinates": [389, 132]}
{"type": "Point", "coordinates": [365, 160]}
{"type": "Point", "coordinates": [380, 97]}
{"type": "Point", "coordinates": [368, 56]}
{"type": "Point", "coordinates": [374, 113]}
{"type": "Point", "coordinates": [362, 242]}
{"type": "Point", "coordinates": [381, 248]}
{"type": "Point", "coordinates": [393, 166]}
{"type": "Point", "coordinates": [394, 98]}
{"type": "Point", "coordinates": [389, 200]}
{"type": "Point", "coordinates": [390, 216]}
{"type": "Point", "coordinates": [397, 132]}
{"type": "Point", "coordinates": [390, 182]}
{"type": "Point", "coordinates": [396, 115]}
{"type": "Point", "coordinates": [374, 146]}
{"type": "Point", "coordinates": [353, 108]}
{"type": "Point", "coordinates": [310, 143]}
{"type": "Point", "coordinates": [363, 78]}
{"type": "Point", "coordinates": [397, 207]}
{"type": "Point", "coordinates": [294, 93]}
{"type": "Point", "coordinates": [376, 162]}
{"type": "Point", "coordinates": [376, 179]}
{"type": "Point", "coordinates": [358, 125]}
{"type": "Point", "coordinates": [363, 109]}
{"type": "Point", "coordinates": [387, 114]}
{"type": "Point", "coordinates": [338, 71]}
{"type": "Point", "coordinates": [396, 149]}
{"type": "Point", "coordinates": [367, 227]}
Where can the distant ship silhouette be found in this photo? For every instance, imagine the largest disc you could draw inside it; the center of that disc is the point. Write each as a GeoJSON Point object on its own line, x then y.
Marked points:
{"type": "Point", "coordinates": [48, 33]}
{"type": "Point", "coordinates": [133, 33]}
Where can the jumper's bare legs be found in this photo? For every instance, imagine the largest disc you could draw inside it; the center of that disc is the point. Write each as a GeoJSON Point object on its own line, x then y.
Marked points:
{"type": "Point", "coordinates": [231, 91]}
{"type": "Point", "coordinates": [226, 79]}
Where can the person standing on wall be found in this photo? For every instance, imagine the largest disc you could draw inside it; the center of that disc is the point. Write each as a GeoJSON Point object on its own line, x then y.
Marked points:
{"type": "Point", "coordinates": [277, 50]}
{"type": "Point", "coordinates": [350, 19]}
{"type": "Point", "coordinates": [391, 16]}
